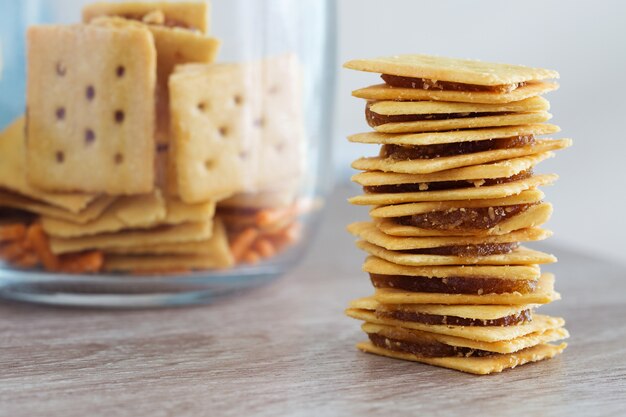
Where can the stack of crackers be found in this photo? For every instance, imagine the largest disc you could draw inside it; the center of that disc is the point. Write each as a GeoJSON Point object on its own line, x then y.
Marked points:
{"type": "Point", "coordinates": [454, 199]}
{"type": "Point", "coordinates": [134, 140]}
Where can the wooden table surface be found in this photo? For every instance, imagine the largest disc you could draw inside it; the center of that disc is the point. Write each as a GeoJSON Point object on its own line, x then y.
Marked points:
{"type": "Point", "coordinates": [287, 349]}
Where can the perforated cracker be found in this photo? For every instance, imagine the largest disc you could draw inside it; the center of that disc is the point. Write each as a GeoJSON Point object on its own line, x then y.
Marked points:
{"type": "Point", "coordinates": [519, 256]}
{"type": "Point", "coordinates": [187, 15]}
{"type": "Point", "coordinates": [91, 109]}
{"type": "Point", "coordinates": [236, 127]}
{"type": "Point", "coordinates": [479, 366]}
{"type": "Point", "coordinates": [467, 71]}
{"type": "Point", "coordinates": [13, 172]}
{"type": "Point", "coordinates": [454, 136]}
{"type": "Point", "coordinates": [543, 294]}
{"type": "Point", "coordinates": [474, 193]}
{"type": "Point", "coordinates": [376, 265]}
{"type": "Point", "coordinates": [427, 166]}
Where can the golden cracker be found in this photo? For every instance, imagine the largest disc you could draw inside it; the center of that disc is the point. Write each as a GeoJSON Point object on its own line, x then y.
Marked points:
{"type": "Point", "coordinates": [13, 172]}
{"type": "Point", "coordinates": [502, 346]}
{"type": "Point", "coordinates": [519, 256]}
{"type": "Point", "coordinates": [185, 232]}
{"type": "Point", "coordinates": [479, 312]}
{"type": "Point", "coordinates": [455, 136]}
{"type": "Point", "coordinates": [376, 265]}
{"type": "Point", "coordinates": [532, 217]}
{"type": "Point", "coordinates": [543, 294]}
{"type": "Point", "coordinates": [397, 108]}
{"type": "Point", "coordinates": [387, 92]}
{"type": "Point", "coordinates": [372, 234]}
{"type": "Point", "coordinates": [427, 166]}
{"type": "Point", "coordinates": [466, 71]}
{"type": "Point", "coordinates": [479, 366]}
{"type": "Point", "coordinates": [464, 123]}
{"type": "Point", "coordinates": [474, 193]}
{"type": "Point", "coordinates": [188, 15]}
{"type": "Point", "coordinates": [91, 212]}
{"type": "Point", "coordinates": [540, 323]}
{"type": "Point", "coordinates": [530, 196]}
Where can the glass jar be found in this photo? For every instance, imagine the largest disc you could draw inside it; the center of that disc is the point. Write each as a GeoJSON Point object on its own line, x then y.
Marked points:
{"type": "Point", "coordinates": [241, 143]}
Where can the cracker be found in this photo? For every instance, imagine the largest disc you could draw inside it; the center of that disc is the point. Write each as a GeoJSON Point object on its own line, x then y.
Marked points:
{"type": "Point", "coordinates": [503, 346]}
{"type": "Point", "coordinates": [376, 265]}
{"type": "Point", "coordinates": [519, 256]}
{"type": "Point", "coordinates": [186, 232]}
{"type": "Point", "coordinates": [475, 193]}
{"type": "Point", "coordinates": [13, 172]}
{"type": "Point", "coordinates": [427, 166]}
{"type": "Point", "coordinates": [91, 109]}
{"type": "Point", "coordinates": [479, 366]}
{"type": "Point", "coordinates": [543, 294]}
{"type": "Point", "coordinates": [455, 136]}
{"type": "Point", "coordinates": [236, 127]}
{"type": "Point", "coordinates": [91, 212]}
{"type": "Point", "coordinates": [532, 217]}
{"type": "Point", "coordinates": [466, 71]}
{"type": "Point", "coordinates": [540, 323]}
{"type": "Point", "coordinates": [188, 15]}
{"type": "Point", "coordinates": [215, 248]}
{"type": "Point", "coordinates": [397, 108]}
{"type": "Point", "coordinates": [131, 212]}
{"type": "Point", "coordinates": [480, 312]}
{"type": "Point", "coordinates": [387, 92]}
{"type": "Point", "coordinates": [165, 263]}
{"type": "Point", "coordinates": [372, 234]}
{"type": "Point", "coordinates": [464, 123]}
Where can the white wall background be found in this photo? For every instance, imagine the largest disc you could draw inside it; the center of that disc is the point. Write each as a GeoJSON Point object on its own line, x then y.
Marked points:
{"type": "Point", "coordinates": [584, 40]}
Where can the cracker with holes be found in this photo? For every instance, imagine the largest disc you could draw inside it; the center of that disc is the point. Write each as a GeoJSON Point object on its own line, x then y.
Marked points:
{"type": "Point", "coordinates": [91, 109]}
{"type": "Point", "coordinates": [236, 127]}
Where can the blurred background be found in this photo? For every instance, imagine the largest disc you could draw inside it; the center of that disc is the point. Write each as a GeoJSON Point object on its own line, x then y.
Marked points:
{"type": "Point", "coordinates": [585, 42]}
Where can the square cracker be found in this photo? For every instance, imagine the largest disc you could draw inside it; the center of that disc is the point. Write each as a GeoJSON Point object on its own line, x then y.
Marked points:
{"type": "Point", "coordinates": [236, 127]}
{"type": "Point", "coordinates": [533, 195]}
{"type": "Point", "coordinates": [473, 193]}
{"type": "Point", "coordinates": [91, 212]}
{"type": "Point", "coordinates": [428, 166]}
{"type": "Point", "coordinates": [475, 173]}
{"type": "Point", "coordinates": [387, 92]}
{"type": "Point", "coordinates": [540, 323]}
{"type": "Point", "coordinates": [91, 109]}
{"type": "Point", "coordinates": [480, 312]}
{"type": "Point", "coordinates": [478, 366]}
{"type": "Point", "coordinates": [534, 216]}
{"type": "Point", "coordinates": [186, 232]}
{"type": "Point", "coordinates": [519, 256]}
{"type": "Point", "coordinates": [454, 136]}
{"type": "Point", "coordinates": [543, 294]}
{"type": "Point", "coordinates": [501, 346]}
{"type": "Point", "coordinates": [372, 234]}
{"type": "Point", "coordinates": [13, 172]}
{"type": "Point", "coordinates": [377, 265]}
{"type": "Point", "coordinates": [207, 254]}
{"type": "Point", "coordinates": [398, 108]}
{"type": "Point", "coordinates": [186, 15]}
{"type": "Point", "coordinates": [466, 71]}
{"type": "Point", "coordinates": [465, 122]}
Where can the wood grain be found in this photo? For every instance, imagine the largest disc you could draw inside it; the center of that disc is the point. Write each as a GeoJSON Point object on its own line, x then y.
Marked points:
{"type": "Point", "coordinates": [287, 349]}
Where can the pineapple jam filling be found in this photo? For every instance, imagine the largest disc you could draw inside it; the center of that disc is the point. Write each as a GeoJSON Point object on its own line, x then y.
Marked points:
{"type": "Point", "coordinates": [428, 84]}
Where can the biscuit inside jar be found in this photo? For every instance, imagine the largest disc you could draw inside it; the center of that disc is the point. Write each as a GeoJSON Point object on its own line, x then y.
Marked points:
{"type": "Point", "coordinates": [407, 153]}
{"type": "Point", "coordinates": [453, 285]}
{"type": "Point", "coordinates": [523, 316]}
{"type": "Point", "coordinates": [428, 84]}
{"type": "Point", "coordinates": [463, 219]}
{"type": "Point", "coordinates": [445, 185]}
{"type": "Point", "coordinates": [425, 347]}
